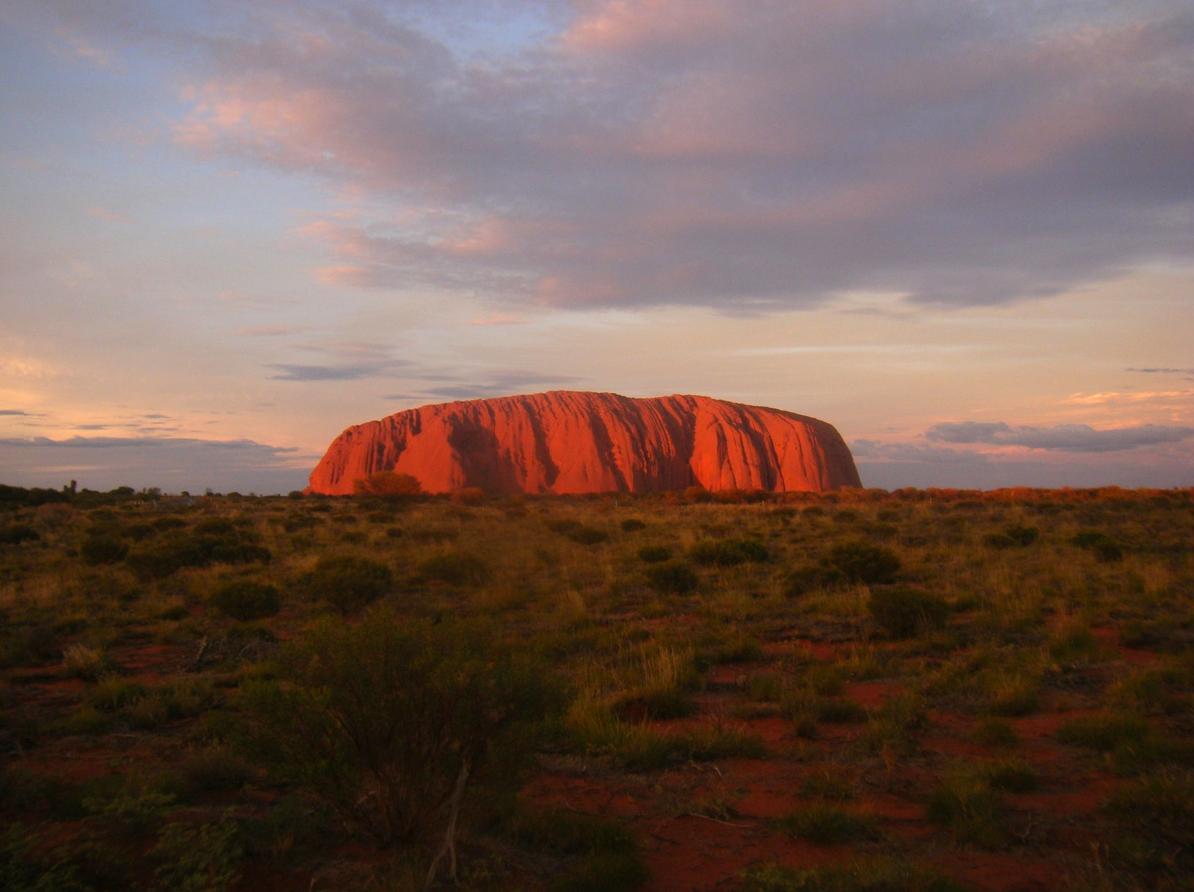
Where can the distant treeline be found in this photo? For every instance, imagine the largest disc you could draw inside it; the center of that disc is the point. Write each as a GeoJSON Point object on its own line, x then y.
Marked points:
{"type": "Point", "coordinates": [19, 496]}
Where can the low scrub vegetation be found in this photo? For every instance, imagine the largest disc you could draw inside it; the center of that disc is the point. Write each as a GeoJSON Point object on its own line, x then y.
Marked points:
{"type": "Point", "coordinates": [919, 690]}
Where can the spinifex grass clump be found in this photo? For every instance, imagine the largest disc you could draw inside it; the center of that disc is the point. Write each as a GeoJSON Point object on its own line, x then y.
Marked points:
{"type": "Point", "coordinates": [829, 825]}
{"type": "Point", "coordinates": [664, 680]}
{"type": "Point", "coordinates": [968, 805]}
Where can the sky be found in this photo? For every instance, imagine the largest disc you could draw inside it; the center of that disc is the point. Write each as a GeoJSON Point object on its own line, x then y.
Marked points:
{"type": "Point", "coordinates": [961, 232]}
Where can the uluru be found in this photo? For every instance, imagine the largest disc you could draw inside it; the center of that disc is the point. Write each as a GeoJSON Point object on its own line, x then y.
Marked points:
{"type": "Point", "coordinates": [573, 442]}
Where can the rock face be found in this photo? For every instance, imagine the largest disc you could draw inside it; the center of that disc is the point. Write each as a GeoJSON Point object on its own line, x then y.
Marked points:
{"type": "Point", "coordinates": [574, 442]}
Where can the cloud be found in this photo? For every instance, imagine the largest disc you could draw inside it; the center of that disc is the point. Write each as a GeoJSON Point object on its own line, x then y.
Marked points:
{"type": "Point", "coordinates": [1060, 437]}
{"type": "Point", "coordinates": [168, 462]}
{"type": "Point", "coordinates": [21, 413]}
{"type": "Point", "coordinates": [354, 360]}
{"type": "Point", "coordinates": [267, 331]}
{"type": "Point", "coordinates": [891, 465]}
{"type": "Point", "coordinates": [1135, 396]}
{"type": "Point", "coordinates": [296, 372]}
{"type": "Point", "coordinates": [757, 156]}
{"type": "Point", "coordinates": [491, 319]}
{"type": "Point", "coordinates": [501, 383]}
{"type": "Point", "coordinates": [878, 450]}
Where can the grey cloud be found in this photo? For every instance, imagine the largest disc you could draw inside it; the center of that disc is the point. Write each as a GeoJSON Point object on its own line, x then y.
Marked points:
{"type": "Point", "coordinates": [354, 360]}
{"type": "Point", "coordinates": [293, 372]}
{"type": "Point", "coordinates": [1060, 437]}
{"type": "Point", "coordinates": [893, 465]}
{"type": "Point", "coordinates": [20, 412]}
{"type": "Point", "coordinates": [744, 156]}
{"type": "Point", "coordinates": [912, 452]}
{"type": "Point", "coordinates": [1163, 371]}
{"type": "Point", "coordinates": [173, 463]}
{"type": "Point", "coordinates": [501, 383]}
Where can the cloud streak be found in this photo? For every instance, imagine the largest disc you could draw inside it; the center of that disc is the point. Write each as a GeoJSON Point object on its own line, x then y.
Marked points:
{"type": "Point", "coordinates": [1059, 437]}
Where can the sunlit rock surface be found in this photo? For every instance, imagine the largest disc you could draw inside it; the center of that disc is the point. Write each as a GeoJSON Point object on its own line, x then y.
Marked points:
{"type": "Point", "coordinates": [576, 442]}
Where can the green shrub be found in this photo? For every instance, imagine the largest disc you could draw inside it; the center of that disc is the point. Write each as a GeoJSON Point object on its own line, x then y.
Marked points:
{"type": "Point", "coordinates": [1103, 546]}
{"type": "Point", "coordinates": [1155, 826]}
{"type": "Point", "coordinates": [861, 562]}
{"type": "Point", "coordinates": [102, 549]}
{"type": "Point", "coordinates": [201, 549]}
{"type": "Point", "coordinates": [210, 770]}
{"type": "Point", "coordinates": [388, 485]}
{"type": "Point", "coordinates": [199, 857]}
{"type": "Point", "coordinates": [604, 853]}
{"type": "Point", "coordinates": [1109, 552]}
{"type": "Point", "coordinates": [135, 807]}
{"type": "Point", "coordinates": [867, 875]}
{"type": "Point", "coordinates": [672, 577]}
{"type": "Point", "coordinates": [247, 599]}
{"type": "Point", "coordinates": [456, 568]}
{"type": "Point", "coordinates": [16, 533]}
{"type": "Point", "coordinates": [1073, 643]}
{"type": "Point", "coordinates": [348, 582]}
{"type": "Point", "coordinates": [836, 711]}
{"type": "Point", "coordinates": [1013, 537]}
{"type": "Point", "coordinates": [26, 867]}
{"type": "Point", "coordinates": [1103, 732]}
{"type": "Point", "coordinates": [654, 554]}
{"type": "Point", "coordinates": [81, 661]}
{"type": "Point", "coordinates": [729, 552]}
{"type": "Point", "coordinates": [387, 720]}
{"type": "Point", "coordinates": [1011, 776]}
{"type": "Point", "coordinates": [996, 733]}
{"type": "Point", "coordinates": [113, 692]}
{"type": "Point", "coordinates": [905, 612]}
{"type": "Point", "coordinates": [829, 825]}
{"type": "Point", "coordinates": [971, 809]}
{"type": "Point", "coordinates": [1014, 694]}
{"type": "Point", "coordinates": [583, 535]}
{"type": "Point", "coordinates": [576, 531]}
{"type": "Point", "coordinates": [803, 580]}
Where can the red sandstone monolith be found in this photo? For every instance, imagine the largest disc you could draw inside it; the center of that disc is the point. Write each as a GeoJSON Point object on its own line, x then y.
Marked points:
{"type": "Point", "coordinates": [577, 442]}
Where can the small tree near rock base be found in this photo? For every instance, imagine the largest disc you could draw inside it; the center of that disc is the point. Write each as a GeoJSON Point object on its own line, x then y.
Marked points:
{"type": "Point", "coordinates": [388, 485]}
